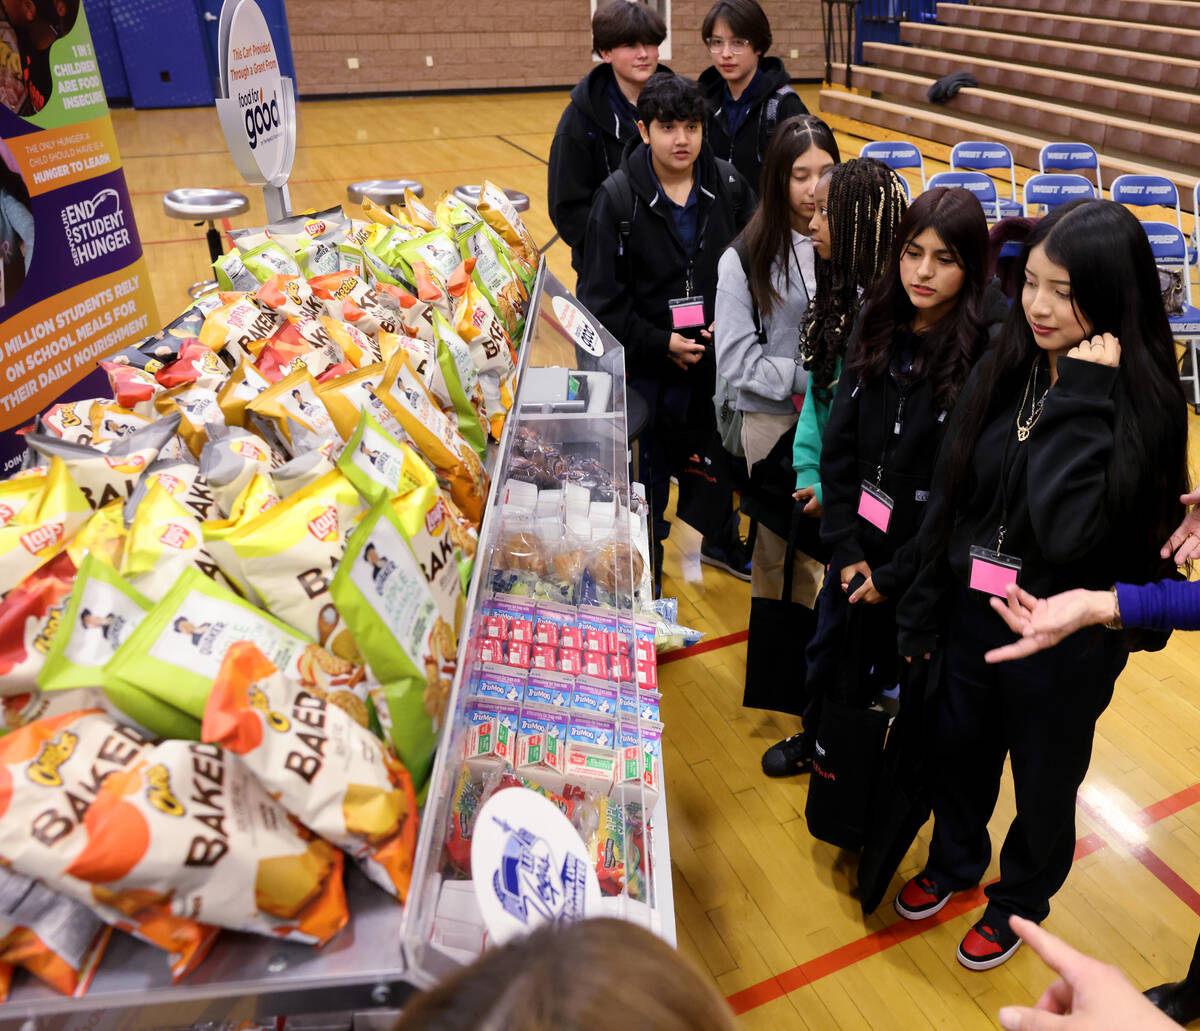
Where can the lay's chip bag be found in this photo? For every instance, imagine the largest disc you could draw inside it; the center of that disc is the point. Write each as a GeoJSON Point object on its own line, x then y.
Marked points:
{"type": "Point", "coordinates": [188, 823]}
{"type": "Point", "coordinates": [43, 526]}
{"type": "Point", "coordinates": [335, 777]}
{"type": "Point", "coordinates": [17, 492]}
{"type": "Point", "coordinates": [61, 763]}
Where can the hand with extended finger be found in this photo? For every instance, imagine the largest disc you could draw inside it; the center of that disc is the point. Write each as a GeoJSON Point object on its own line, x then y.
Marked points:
{"type": "Point", "coordinates": [1043, 622]}
{"type": "Point", "coordinates": [1088, 995]}
{"type": "Point", "coordinates": [1102, 349]}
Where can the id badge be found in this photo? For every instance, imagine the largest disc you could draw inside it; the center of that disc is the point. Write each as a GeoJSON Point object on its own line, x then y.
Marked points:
{"type": "Point", "coordinates": [686, 312]}
{"type": "Point", "coordinates": [875, 506]}
{"type": "Point", "coordinates": [992, 571]}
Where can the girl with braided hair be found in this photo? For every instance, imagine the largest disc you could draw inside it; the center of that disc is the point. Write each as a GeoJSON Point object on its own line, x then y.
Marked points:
{"type": "Point", "coordinates": [857, 208]}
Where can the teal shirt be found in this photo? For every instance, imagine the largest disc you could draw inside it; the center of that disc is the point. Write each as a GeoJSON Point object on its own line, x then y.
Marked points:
{"type": "Point", "coordinates": [810, 429]}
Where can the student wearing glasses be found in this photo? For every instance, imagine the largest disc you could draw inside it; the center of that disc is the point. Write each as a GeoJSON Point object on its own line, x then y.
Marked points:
{"type": "Point", "coordinates": [748, 93]}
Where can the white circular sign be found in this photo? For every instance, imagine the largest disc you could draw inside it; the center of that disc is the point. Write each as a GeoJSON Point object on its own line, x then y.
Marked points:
{"type": "Point", "coordinates": [254, 82]}
{"type": "Point", "coordinates": [577, 326]}
{"type": "Point", "coordinates": [529, 865]}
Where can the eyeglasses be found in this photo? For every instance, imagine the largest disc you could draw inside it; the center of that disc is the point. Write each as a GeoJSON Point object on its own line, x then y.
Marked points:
{"type": "Point", "coordinates": [736, 46]}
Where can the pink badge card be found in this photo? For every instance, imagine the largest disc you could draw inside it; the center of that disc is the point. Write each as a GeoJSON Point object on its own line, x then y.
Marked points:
{"type": "Point", "coordinates": [993, 571]}
{"type": "Point", "coordinates": [875, 507]}
{"type": "Point", "coordinates": [687, 312]}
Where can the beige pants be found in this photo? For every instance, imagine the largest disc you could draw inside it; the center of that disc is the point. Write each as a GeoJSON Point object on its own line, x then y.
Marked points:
{"type": "Point", "coordinates": [760, 433]}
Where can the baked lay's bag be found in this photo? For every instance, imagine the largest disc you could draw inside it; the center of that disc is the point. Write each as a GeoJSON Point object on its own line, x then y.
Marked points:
{"type": "Point", "coordinates": [257, 496]}
{"type": "Point", "coordinates": [103, 477]}
{"type": "Point", "coordinates": [17, 492]}
{"type": "Point", "coordinates": [304, 469]}
{"type": "Point", "coordinates": [43, 526]}
{"type": "Point", "coordinates": [435, 437]}
{"type": "Point", "coordinates": [500, 213]}
{"type": "Point", "coordinates": [231, 458]}
{"type": "Point", "coordinates": [61, 763]}
{"type": "Point", "coordinates": [379, 466]}
{"type": "Point", "coordinates": [385, 597]}
{"type": "Point", "coordinates": [335, 777]}
{"type": "Point", "coordinates": [103, 536]}
{"type": "Point", "coordinates": [30, 617]}
{"type": "Point", "coordinates": [181, 479]}
{"type": "Point", "coordinates": [495, 276]}
{"type": "Point", "coordinates": [424, 520]}
{"type": "Point", "coordinates": [456, 380]}
{"type": "Point", "coordinates": [187, 823]}
{"type": "Point", "coordinates": [198, 409]}
{"type": "Point", "coordinates": [164, 540]}
{"type": "Point", "coordinates": [287, 555]}
{"type": "Point", "coordinates": [55, 938]}
{"type": "Point", "coordinates": [177, 650]}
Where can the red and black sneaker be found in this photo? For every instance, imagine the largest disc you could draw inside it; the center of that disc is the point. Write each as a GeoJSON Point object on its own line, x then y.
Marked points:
{"type": "Point", "coordinates": [988, 944]}
{"type": "Point", "coordinates": [923, 896]}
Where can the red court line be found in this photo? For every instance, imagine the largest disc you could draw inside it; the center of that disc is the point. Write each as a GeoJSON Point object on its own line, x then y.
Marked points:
{"type": "Point", "coordinates": [894, 934]}
{"type": "Point", "coordinates": [704, 646]}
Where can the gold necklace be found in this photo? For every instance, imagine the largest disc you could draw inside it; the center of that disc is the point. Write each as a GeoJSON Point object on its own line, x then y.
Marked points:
{"type": "Point", "coordinates": [1024, 427]}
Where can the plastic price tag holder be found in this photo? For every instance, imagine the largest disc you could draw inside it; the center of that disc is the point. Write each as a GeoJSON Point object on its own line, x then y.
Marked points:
{"type": "Point", "coordinates": [992, 571]}
{"type": "Point", "coordinates": [875, 506]}
{"type": "Point", "coordinates": [686, 312]}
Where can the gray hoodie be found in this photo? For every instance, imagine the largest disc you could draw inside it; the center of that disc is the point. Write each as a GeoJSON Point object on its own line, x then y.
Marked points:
{"type": "Point", "coordinates": [765, 377]}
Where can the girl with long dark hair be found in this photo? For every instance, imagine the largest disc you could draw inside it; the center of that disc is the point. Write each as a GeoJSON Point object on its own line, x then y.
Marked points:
{"type": "Point", "coordinates": [858, 206]}
{"type": "Point", "coordinates": [1065, 462]}
{"type": "Point", "coordinates": [766, 280]}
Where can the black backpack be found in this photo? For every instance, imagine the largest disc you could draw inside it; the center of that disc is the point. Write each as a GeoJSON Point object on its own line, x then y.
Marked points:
{"type": "Point", "coordinates": [769, 118]}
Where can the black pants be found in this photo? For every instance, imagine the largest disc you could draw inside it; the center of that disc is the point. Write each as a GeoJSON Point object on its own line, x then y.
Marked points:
{"type": "Point", "coordinates": [1042, 712]}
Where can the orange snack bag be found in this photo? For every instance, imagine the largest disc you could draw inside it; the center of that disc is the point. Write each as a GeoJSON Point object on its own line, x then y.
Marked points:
{"type": "Point", "coordinates": [59, 764]}
{"type": "Point", "coordinates": [334, 776]}
{"type": "Point", "coordinates": [188, 824]}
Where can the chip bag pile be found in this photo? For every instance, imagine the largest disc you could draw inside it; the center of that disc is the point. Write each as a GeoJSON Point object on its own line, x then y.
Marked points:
{"type": "Point", "coordinates": [231, 590]}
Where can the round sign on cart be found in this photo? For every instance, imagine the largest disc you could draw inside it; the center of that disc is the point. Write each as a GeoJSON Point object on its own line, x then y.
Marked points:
{"type": "Point", "coordinates": [578, 326]}
{"type": "Point", "coordinates": [530, 866]}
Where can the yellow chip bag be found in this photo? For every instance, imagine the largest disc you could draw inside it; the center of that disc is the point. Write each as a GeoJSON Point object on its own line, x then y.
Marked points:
{"type": "Point", "coordinates": [43, 526]}
{"type": "Point", "coordinates": [16, 493]}
{"type": "Point", "coordinates": [288, 554]}
{"type": "Point", "coordinates": [256, 497]}
{"type": "Point", "coordinates": [358, 348]}
{"type": "Point", "coordinates": [61, 763]}
{"type": "Point", "coordinates": [245, 383]}
{"type": "Point", "coordinates": [419, 214]}
{"type": "Point", "coordinates": [498, 211]}
{"type": "Point", "coordinates": [435, 437]}
{"type": "Point", "coordinates": [111, 423]}
{"type": "Point", "coordinates": [294, 397]}
{"type": "Point", "coordinates": [188, 823]}
{"type": "Point", "coordinates": [346, 396]}
{"type": "Point", "coordinates": [378, 214]}
{"type": "Point", "coordinates": [334, 776]}
{"type": "Point", "coordinates": [103, 536]}
{"type": "Point", "coordinates": [198, 409]}
{"type": "Point", "coordinates": [305, 468]}
{"type": "Point", "coordinates": [231, 460]}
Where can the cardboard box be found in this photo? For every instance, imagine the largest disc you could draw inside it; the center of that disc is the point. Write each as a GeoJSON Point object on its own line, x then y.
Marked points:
{"type": "Point", "coordinates": [489, 746]}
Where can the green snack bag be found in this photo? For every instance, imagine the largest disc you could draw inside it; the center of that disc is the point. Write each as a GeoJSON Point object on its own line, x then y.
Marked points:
{"type": "Point", "coordinates": [379, 467]}
{"type": "Point", "coordinates": [461, 381]}
{"type": "Point", "coordinates": [269, 259]}
{"type": "Point", "coordinates": [494, 275]}
{"type": "Point", "coordinates": [385, 598]}
{"type": "Point", "coordinates": [177, 650]}
{"type": "Point", "coordinates": [232, 274]}
{"type": "Point", "coordinates": [103, 612]}
{"type": "Point", "coordinates": [437, 250]}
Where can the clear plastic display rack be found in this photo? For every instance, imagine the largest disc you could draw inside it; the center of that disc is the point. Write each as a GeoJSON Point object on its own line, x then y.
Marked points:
{"type": "Point", "coordinates": [560, 483]}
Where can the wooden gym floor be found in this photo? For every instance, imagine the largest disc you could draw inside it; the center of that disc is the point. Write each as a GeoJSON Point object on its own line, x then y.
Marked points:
{"type": "Point", "coordinates": [761, 906]}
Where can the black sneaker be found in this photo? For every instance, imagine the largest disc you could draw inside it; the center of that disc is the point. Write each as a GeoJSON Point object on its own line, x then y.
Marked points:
{"type": "Point", "coordinates": [1179, 1000]}
{"type": "Point", "coordinates": [922, 896]}
{"type": "Point", "coordinates": [790, 756]}
{"type": "Point", "coordinates": [734, 561]}
{"type": "Point", "coordinates": [988, 944]}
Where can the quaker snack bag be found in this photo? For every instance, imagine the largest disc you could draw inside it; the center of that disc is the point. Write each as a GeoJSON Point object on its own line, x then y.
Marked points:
{"type": "Point", "coordinates": [188, 823]}
{"type": "Point", "coordinates": [418, 212]}
{"type": "Point", "coordinates": [438, 252]}
{"type": "Point", "coordinates": [105, 477]}
{"type": "Point", "coordinates": [111, 423]}
{"type": "Point", "coordinates": [386, 599]}
{"type": "Point", "coordinates": [379, 467]}
{"type": "Point", "coordinates": [288, 553]}
{"type": "Point", "coordinates": [101, 614]}
{"type": "Point", "coordinates": [43, 526]}
{"type": "Point", "coordinates": [456, 370]}
{"type": "Point", "coordinates": [30, 618]}
{"type": "Point", "coordinates": [294, 397]}
{"type": "Point", "coordinates": [164, 539]}
{"type": "Point", "coordinates": [435, 437]}
{"type": "Point", "coordinates": [17, 492]}
{"type": "Point", "coordinates": [491, 348]}
{"type": "Point", "coordinates": [177, 650]}
{"type": "Point", "coordinates": [269, 259]}
{"type": "Point", "coordinates": [335, 777]}
{"type": "Point", "coordinates": [244, 384]}
{"type": "Point", "coordinates": [345, 397]}
{"type": "Point", "coordinates": [55, 938]}
{"type": "Point", "coordinates": [61, 763]}
{"type": "Point", "coordinates": [502, 216]}
{"type": "Point", "coordinates": [197, 409]}
{"type": "Point", "coordinates": [495, 276]}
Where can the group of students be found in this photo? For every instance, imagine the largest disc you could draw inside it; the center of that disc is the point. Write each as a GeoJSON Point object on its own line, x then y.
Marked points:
{"type": "Point", "coordinates": [929, 440]}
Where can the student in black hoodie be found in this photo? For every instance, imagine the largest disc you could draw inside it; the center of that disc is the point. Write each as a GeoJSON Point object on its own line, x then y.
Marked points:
{"type": "Point", "coordinates": [748, 93]}
{"type": "Point", "coordinates": [601, 117]}
{"type": "Point", "coordinates": [656, 231]}
{"type": "Point", "coordinates": [1064, 465]}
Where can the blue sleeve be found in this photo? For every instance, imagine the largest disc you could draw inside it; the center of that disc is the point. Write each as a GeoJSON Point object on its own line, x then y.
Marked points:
{"type": "Point", "coordinates": [1168, 605]}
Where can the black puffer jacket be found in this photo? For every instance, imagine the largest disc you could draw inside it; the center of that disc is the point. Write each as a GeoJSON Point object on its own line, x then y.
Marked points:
{"type": "Point", "coordinates": [775, 102]}
{"type": "Point", "coordinates": [587, 149]}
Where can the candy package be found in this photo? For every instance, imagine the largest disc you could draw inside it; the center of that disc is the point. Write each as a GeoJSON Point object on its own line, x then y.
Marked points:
{"type": "Point", "coordinates": [334, 776]}
{"type": "Point", "coordinates": [189, 825]}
